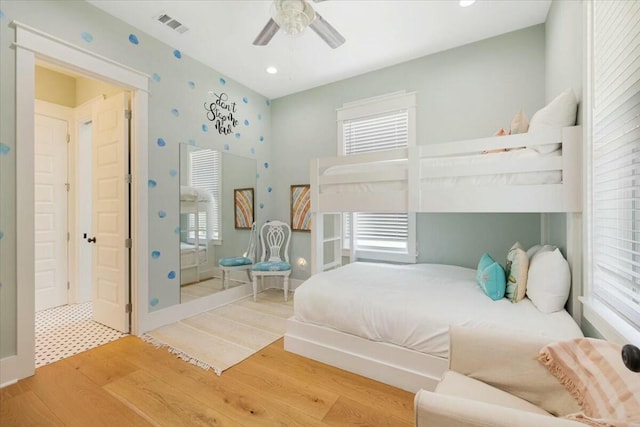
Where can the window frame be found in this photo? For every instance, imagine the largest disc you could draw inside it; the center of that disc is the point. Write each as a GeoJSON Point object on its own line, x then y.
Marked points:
{"type": "Point", "coordinates": [361, 109]}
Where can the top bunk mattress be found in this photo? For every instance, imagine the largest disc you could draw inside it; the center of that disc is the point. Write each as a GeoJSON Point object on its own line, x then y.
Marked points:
{"type": "Point", "coordinates": [413, 306]}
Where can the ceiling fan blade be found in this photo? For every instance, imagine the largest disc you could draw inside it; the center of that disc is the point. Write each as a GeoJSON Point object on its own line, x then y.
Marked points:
{"type": "Point", "coordinates": [267, 33]}
{"type": "Point", "coordinates": [326, 32]}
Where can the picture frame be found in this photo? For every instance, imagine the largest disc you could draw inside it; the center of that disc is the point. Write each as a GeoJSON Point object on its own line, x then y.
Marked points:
{"type": "Point", "coordinates": [243, 204]}
{"type": "Point", "coordinates": [301, 207]}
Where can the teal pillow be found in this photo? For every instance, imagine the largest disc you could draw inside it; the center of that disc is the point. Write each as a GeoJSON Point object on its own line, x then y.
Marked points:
{"type": "Point", "coordinates": [493, 281]}
{"type": "Point", "coordinates": [485, 261]}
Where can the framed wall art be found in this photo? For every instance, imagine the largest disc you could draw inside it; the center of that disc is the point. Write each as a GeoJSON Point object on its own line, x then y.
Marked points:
{"type": "Point", "coordinates": [300, 208]}
{"type": "Point", "coordinates": [243, 208]}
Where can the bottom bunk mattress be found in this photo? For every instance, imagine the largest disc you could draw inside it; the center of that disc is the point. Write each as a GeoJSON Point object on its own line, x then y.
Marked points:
{"type": "Point", "coordinates": [413, 306]}
{"type": "Point", "coordinates": [190, 256]}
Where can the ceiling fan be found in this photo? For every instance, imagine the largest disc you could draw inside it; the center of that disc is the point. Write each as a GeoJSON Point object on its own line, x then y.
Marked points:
{"type": "Point", "coordinates": [293, 16]}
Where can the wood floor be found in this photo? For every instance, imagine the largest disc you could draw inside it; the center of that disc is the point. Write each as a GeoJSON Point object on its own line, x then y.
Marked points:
{"type": "Point", "coordinates": [131, 383]}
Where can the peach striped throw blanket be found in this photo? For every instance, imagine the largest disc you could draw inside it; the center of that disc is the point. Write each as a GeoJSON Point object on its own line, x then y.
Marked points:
{"type": "Point", "coordinates": [593, 372]}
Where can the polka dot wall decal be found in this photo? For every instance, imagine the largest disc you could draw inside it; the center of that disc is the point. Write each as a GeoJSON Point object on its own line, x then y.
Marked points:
{"type": "Point", "coordinates": [266, 165]}
{"type": "Point", "coordinates": [171, 275]}
{"type": "Point", "coordinates": [246, 122]}
{"type": "Point", "coordinates": [222, 81]}
{"type": "Point", "coordinates": [161, 142]}
{"type": "Point", "coordinates": [258, 175]}
{"type": "Point", "coordinates": [162, 214]}
{"type": "Point", "coordinates": [192, 85]}
{"type": "Point", "coordinates": [176, 230]}
{"type": "Point", "coordinates": [261, 205]}
{"type": "Point", "coordinates": [175, 112]}
{"type": "Point", "coordinates": [259, 116]}
{"type": "Point", "coordinates": [156, 77]}
{"type": "Point", "coordinates": [4, 149]}
{"type": "Point", "coordinates": [269, 189]}
{"type": "Point", "coordinates": [192, 142]}
{"type": "Point", "coordinates": [86, 36]}
{"type": "Point", "coordinates": [252, 150]}
{"type": "Point", "coordinates": [268, 102]}
{"type": "Point", "coordinates": [1, 234]}
{"type": "Point", "coordinates": [177, 54]}
{"type": "Point", "coordinates": [205, 128]}
{"type": "Point", "coordinates": [152, 183]}
{"type": "Point", "coordinates": [173, 172]}
{"type": "Point", "coordinates": [226, 147]}
{"type": "Point", "coordinates": [261, 138]}
{"type": "Point", "coordinates": [2, 15]}
{"type": "Point", "coordinates": [154, 301]}
{"type": "Point", "coordinates": [245, 100]}
{"type": "Point", "coordinates": [237, 135]}
{"type": "Point", "coordinates": [133, 39]}
{"type": "Point", "coordinates": [155, 254]}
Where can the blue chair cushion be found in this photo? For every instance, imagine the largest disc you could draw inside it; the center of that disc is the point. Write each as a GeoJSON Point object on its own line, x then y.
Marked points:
{"type": "Point", "coordinates": [272, 266]}
{"type": "Point", "coordinates": [235, 261]}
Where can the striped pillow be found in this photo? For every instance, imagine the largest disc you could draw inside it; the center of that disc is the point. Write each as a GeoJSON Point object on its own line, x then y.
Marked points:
{"type": "Point", "coordinates": [593, 372]}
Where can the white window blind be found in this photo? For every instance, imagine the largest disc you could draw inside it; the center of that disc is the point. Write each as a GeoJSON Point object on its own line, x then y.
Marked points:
{"type": "Point", "coordinates": [615, 169]}
{"type": "Point", "coordinates": [377, 232]}
{"type": "Point", "coordinates": [204, 173]}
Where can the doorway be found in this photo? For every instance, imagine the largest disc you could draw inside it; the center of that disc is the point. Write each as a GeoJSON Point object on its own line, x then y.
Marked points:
{"type": "Point", "coordinates": [78, 305]}
{"type": "Point", "coordinates": [34, 44]}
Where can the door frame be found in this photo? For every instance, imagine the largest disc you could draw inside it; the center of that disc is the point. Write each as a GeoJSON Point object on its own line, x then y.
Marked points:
{"type": "Point", "coordinates": [32, 44]}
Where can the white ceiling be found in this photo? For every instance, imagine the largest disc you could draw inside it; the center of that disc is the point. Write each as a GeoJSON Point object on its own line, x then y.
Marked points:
{"type": "Point", "coordinates": [378, 33]}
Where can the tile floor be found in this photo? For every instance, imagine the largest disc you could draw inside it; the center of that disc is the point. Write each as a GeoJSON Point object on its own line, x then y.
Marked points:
{"type": "Point", "coordinates": [67, 330]}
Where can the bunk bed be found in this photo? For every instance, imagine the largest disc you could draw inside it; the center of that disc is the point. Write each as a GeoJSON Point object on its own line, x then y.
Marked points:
{"type": "Point", "coordinates": [195, 212]}
{"type": "Point", "coordinates": [533, 172]}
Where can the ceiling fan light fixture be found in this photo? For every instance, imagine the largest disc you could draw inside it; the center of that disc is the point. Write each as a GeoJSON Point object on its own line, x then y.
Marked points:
{"type": "Point", "coordinates": [466, 3]}
{"type": "Point", "coordinates": [271, 70]}
{"type": "Point", "coordinates": [293, 16]}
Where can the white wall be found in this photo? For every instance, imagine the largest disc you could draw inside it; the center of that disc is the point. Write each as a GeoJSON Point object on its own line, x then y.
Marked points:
{"type": "Point", "coordinates": [467, 92]}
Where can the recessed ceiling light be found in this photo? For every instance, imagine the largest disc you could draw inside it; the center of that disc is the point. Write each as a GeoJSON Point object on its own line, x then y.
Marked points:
{"type": "Point", "coordinates": [466, 3]}
{"type": "Point", "coordinates": [272, 70]}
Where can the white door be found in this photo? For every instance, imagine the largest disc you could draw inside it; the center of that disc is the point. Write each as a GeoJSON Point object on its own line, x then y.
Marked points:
{"type": "Point", "coordinates": [50, 197]}
{"type": "Point", "coordinates": [110, 156]}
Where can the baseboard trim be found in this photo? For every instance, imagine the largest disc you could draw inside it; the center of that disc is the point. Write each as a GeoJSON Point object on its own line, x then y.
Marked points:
{"type": "Point", "coordinates": [8, 371]}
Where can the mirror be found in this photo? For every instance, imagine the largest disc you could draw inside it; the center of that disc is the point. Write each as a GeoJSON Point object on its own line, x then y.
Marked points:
{"type": "Point", "coordinates": [208, 227]}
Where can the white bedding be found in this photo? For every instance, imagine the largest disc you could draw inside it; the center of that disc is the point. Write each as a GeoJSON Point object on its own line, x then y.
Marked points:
{"type": "Point", "coordinates": [188, 254]}
{"type": "Point", "coordinates": [193, 194]}
{"type": "Point", "coordinates": [413, 305]}
{"type": "Point", "coordinates": [379, 168]}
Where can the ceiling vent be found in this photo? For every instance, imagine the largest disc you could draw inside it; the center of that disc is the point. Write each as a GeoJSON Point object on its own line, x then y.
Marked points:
{"type": "Point", "coordinates": [172, 23]}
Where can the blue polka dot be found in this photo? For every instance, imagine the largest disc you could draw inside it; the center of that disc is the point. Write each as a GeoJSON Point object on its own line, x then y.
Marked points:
{"type": "Point", "coordinates": [252, 150]}
{"type": "Point", "coordinates": [156, 77]}
{"type": "Point", "coordinates": [86, 36]}
{"type": "Point", "coordinates": [152, 183]}
{"type": "Point", "coordinates": [155, 254]}
{"type": "Point", "coordinates": [162, 214]}
{"type": "Point", "coordinates": [237, 135]}
{"type": "Point", "coordinates": [245, 100]}
{"type": "Point", "coordinates": [177, 54]}
{"type": "Point", "coordinates": [173, 172]}
{"type": "Point", "coordinates": [133, 39]}
{"type": "Point", "coordinates": [176, 230]}
{"type": "Point", "coordinates": [269, 189]}
{"type": "Point", "coordinates": [261, 138]}
{"type": "Point", "coordinates": [205, 128]}
{"type": "Point", "coordinates": [226, 147]}
{"type": "Point", "coordinates": [246, 122]}
{"type": "Point", "coordinates": [258, 175]}
{"type": "Point", "coordinates": [222, 81]}
{"type": "Point", "coordinates": [161, 142]}
{"type": "Point", "coordinates": [192, 142]}
{"type": "Point", "coordinates": [154, 301]}
{"type": "Point", "coordinates": [2, 15]}
{"type": "Point", "coordinates": [4, 149]}
{"type": "Point", "coordinates": [1, 234]}
{"type": "Point", "coordinates": [192, 85]}
{"type": "Point", "coordinates": [261, 205]}
{"type": "Point", "coordinates": [268, 102]}
{"type": "Point", "coordinates": [266, 165]}
{"type": "Point", "coordinates": [259, 116]}
{"type": "Point", "coordinates": [171, 275]}
{"type": "Point", "coordinates": [175, 112]}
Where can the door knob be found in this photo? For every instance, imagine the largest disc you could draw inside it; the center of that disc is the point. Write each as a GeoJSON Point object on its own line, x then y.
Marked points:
{"type": "Point", "coordinates": [91, 240]}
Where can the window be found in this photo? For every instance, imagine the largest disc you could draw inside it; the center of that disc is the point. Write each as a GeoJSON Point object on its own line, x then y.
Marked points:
{"type": "Point", "coordinates": [378, 124]}
{"type": "Point", "coordinates": [204, 173]}
{"type": "Point", "coordinates": [614, 171]}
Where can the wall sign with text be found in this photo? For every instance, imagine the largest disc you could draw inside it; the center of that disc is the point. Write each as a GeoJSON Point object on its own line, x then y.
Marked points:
{"type": "Point", "coordinates": [222, 113]}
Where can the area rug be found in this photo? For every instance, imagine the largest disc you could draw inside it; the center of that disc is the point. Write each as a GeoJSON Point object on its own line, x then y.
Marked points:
{"type": "Point", "coordinates": [222, 337]}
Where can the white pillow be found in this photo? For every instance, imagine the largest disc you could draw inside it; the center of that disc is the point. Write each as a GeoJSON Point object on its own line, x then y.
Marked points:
{"type": "Point", "coordinates": [537, 248]}
{"type": "Point", "coordinates": [559, 113]}
{"type": "Point", "coordinates": [549, 280]}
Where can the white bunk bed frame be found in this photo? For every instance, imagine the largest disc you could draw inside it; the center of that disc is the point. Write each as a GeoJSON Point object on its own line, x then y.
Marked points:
{"type": "Point", "coordinates": [194, 207]}
{"type": "Point", "coordinates": [389, 363]}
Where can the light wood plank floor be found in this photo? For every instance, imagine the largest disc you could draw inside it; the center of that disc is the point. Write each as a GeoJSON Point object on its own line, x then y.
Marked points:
{"type": "Point", "coordinates": [129, 383]}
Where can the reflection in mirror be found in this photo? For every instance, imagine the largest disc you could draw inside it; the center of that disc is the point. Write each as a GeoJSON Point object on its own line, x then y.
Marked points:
{"type": "Point", "coordinates": [207, 182]}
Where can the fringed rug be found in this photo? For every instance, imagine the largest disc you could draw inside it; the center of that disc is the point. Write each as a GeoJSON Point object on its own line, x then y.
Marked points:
{"type": "Point", "coordinates": [222, 337]}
